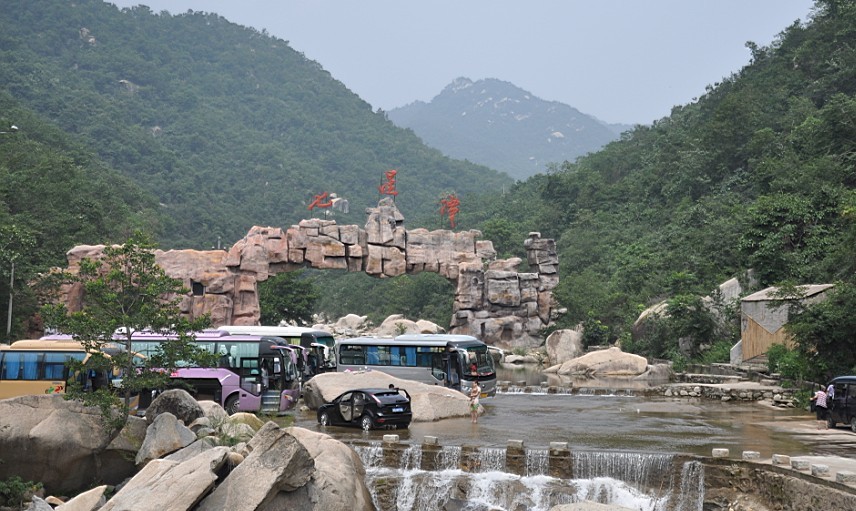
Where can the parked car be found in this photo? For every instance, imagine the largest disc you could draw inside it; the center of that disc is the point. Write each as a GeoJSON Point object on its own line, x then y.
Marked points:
{"type": "Point", "coordinates": [842, 407]}
{"type": "Point", "coordinates": [368, 409]}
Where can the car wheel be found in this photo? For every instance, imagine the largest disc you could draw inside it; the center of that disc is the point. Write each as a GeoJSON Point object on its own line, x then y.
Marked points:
{"type": "Point", "coordinates": [366, 423]}
{"type": "Point", "coordinates": [853, 424]}
{"type": "Point", "coordinates": [232, 405]}
{"type": "Point", "coordinates": [324, 419]}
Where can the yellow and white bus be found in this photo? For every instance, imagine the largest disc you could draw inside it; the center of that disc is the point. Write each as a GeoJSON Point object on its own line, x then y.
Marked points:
{"type": "Point", "coordinates": [40, 367]}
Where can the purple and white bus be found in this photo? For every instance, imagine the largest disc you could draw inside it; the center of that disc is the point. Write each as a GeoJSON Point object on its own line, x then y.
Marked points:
{"type": "Point", "coordinates": [253, 374]}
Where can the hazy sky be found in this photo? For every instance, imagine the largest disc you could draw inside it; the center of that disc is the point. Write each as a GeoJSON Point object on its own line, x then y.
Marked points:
{"type": "Point", "coordinates": [623, 61]}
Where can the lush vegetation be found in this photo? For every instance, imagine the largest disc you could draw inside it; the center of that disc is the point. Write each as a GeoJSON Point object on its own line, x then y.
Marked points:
{"type": "Point", "coordinates": [195, 129]}
{"type": "Point", "coordinates": [126, 292]}
{"type": "Point", "coordinates": [758, 173]}
{"type": "Point", "coordinates": [189, 127]}
{"type": "Point", "coordinates": [288, 297]}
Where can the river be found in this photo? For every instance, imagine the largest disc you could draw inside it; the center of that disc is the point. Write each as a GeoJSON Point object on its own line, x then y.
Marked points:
{"type": "Point", "coordinates": [617, 421]}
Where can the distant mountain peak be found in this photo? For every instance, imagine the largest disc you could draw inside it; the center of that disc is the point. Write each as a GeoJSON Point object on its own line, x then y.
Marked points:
{"type": "Point", "coordinates": [498, 124]}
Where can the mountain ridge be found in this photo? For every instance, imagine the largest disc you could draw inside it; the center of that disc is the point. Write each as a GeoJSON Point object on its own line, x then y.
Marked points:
{"type": "Point", "coordinates": [500, 125]}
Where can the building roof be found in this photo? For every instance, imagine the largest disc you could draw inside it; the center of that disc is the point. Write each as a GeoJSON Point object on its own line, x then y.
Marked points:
{"type": "Point", "coordinates": [769, 293]}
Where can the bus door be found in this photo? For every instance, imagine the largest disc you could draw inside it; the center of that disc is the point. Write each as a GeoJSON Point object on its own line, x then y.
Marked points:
{"type": "Point", "coordinates": [450, 360]}
{"type": "Point", "coordinates": [250, 374]}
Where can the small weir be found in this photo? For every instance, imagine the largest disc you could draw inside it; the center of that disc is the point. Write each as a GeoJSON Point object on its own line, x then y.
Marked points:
{"type": "Point", "coordinates": [507, 388]}
{"type": "Point", "coordinates": [432, 477]}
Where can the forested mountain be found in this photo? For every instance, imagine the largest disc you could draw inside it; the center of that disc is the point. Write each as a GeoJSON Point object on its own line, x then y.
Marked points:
{"type": "Point", "coordinates": [226, 126]}
{"type": "Point", "coordinates": [194, 128]}
{"type": "Point", "coordinates": [758, 174]}
{"type": "Point", "coordinates": [497, 124]}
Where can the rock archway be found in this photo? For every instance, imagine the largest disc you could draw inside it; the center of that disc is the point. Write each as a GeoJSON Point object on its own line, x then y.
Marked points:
{"type": "Point", "coordinates": [493, 299]}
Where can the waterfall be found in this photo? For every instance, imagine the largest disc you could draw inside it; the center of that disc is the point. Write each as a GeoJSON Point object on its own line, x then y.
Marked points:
{"type": "Point", "coordinates": [411, 458]}
{"type": "Point", "coordinates": [641, 470]}
{"type": "Point", "coordinates": [371, 455]}
{"type": "Point", "coordinates": [490, 459]}
{"type": "Point", "coordinates": [691, 496]}
{"type": "Point", "coordinates": [537, 461]}
{"type": "Point", "coordinates": [449, 457]}
{"type": "Point", "coordinates": [639, 481]}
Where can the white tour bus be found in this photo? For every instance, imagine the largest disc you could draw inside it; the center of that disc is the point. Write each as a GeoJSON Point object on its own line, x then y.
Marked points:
{"type": "Point", "coordinates": [454, 361]}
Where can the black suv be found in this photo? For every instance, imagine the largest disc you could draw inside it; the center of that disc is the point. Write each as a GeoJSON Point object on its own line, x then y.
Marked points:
{"type": "Point", "coordinates": [843, 404]}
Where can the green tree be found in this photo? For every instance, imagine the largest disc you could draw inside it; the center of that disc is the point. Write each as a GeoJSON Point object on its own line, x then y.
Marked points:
{"type": "Point", "coordinates": [125, 292]}
{"type": "Point", "coordinates": [15, 243]}
{"type": "Point", "coordinates": [825, 333]}
{"type": "Point", "coordinates": [289, 297]}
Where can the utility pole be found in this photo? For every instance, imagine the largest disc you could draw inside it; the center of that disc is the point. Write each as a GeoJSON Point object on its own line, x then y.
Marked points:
{"type": "Point", "coordinates": [9, 314]}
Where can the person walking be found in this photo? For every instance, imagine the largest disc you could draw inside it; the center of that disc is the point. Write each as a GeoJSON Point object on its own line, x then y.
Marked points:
{"type": "Point", "coordinates": [820, 407]}
{"type": "Point", "coordinates": [475, 393]}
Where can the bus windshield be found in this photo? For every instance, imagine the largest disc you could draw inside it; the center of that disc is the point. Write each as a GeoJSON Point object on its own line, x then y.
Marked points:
{"type": "Point", "coordinates": [477, 362]}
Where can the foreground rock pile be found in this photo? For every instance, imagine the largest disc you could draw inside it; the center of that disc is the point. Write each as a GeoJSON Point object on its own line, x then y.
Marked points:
{"type": "Point", "coordinates": [214, 462]}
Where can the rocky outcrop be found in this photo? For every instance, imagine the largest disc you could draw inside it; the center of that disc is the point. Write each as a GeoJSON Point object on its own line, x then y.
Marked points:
{"type": "Point", "coordinates": [164, 484]}
{"type": "Point", "coordinates": [336, 483]}
{"type": "Point", "coordinates": [494, 301]}
{"type": "Point", "coordinates": [608, 362]}
{"type": "Point", "coordinates": [56, 442]}
{"type": "Point", "coordinates": [428, 402]}
{"type": "Point", "coordinates": [277, 463]}
{"type": "Point", "coordinates": [275, 469]}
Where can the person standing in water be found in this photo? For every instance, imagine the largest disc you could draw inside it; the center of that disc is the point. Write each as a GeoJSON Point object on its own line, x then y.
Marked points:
{"type": "Point", "coordinates": [475, 392]}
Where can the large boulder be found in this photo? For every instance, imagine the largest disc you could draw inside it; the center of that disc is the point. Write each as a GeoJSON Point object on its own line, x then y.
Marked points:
{"type": "Point", "coordinates": [427, 402]}
{"type": "Point", "coordinates": [164, 436]}
{"type": "Point", "coordinates": [277, 463]}
{"type": "Point", "coordinates": [564, 345]}
{"type": "Point", "coordinates": [608, 362]}
{"type": "Point", "coordinates": [57, 442]}
{"type": "Point", "coordinates": [86, 501]}
{"type": "Point", "coordinates": [172, 485]}
{"type": "Point", "coordinates": [337, 483]}
{"type": "Point", "coordinates": [178, 402]}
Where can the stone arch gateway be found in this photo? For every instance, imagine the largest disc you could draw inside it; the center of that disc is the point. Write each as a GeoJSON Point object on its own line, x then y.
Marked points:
{"type": "Point", "coordinates": [493, 300]}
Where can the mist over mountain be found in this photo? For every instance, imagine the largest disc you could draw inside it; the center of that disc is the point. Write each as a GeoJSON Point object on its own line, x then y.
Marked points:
{"type": "Point", "coordinates": [497, 124]}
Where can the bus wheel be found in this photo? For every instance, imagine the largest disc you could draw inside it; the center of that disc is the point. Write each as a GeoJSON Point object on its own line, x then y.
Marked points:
{"type": "Point", "coordinates": [366, 423]}
{"type": "Point", "coordinates": [232, 405]}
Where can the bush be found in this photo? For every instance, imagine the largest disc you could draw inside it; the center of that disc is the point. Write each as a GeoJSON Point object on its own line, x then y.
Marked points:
{"type": "Point", "coordinates": [791, 364]}
{"type": "Point", "coordinates": [720, 352]}
{"type": "Point", "coordinates": [14, 491]}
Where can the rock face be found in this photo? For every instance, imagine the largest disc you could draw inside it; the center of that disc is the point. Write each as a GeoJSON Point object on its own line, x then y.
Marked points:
{"type": "Point", "coordinates": [493, 300]}
{"type": "Point", "coordinates": [57, 442]}
{"type": "Point", "coordinates": [428, 402]}
{"type": "Point", "coordinates": [608, 362]}
{"type": "Point", "coordinates": [337, 483]}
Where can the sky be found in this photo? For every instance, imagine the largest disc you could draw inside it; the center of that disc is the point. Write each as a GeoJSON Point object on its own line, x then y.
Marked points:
{"type": "Point", "coordinates": [621, 61]}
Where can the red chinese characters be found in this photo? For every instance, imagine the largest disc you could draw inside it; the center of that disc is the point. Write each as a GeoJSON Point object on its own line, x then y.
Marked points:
{"type": "Point", "coordinates": [317, 202]}
{"type": "Point", "coordinates": [388, 187]}
{"type": "Point", "coordinates": [449, 206]}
